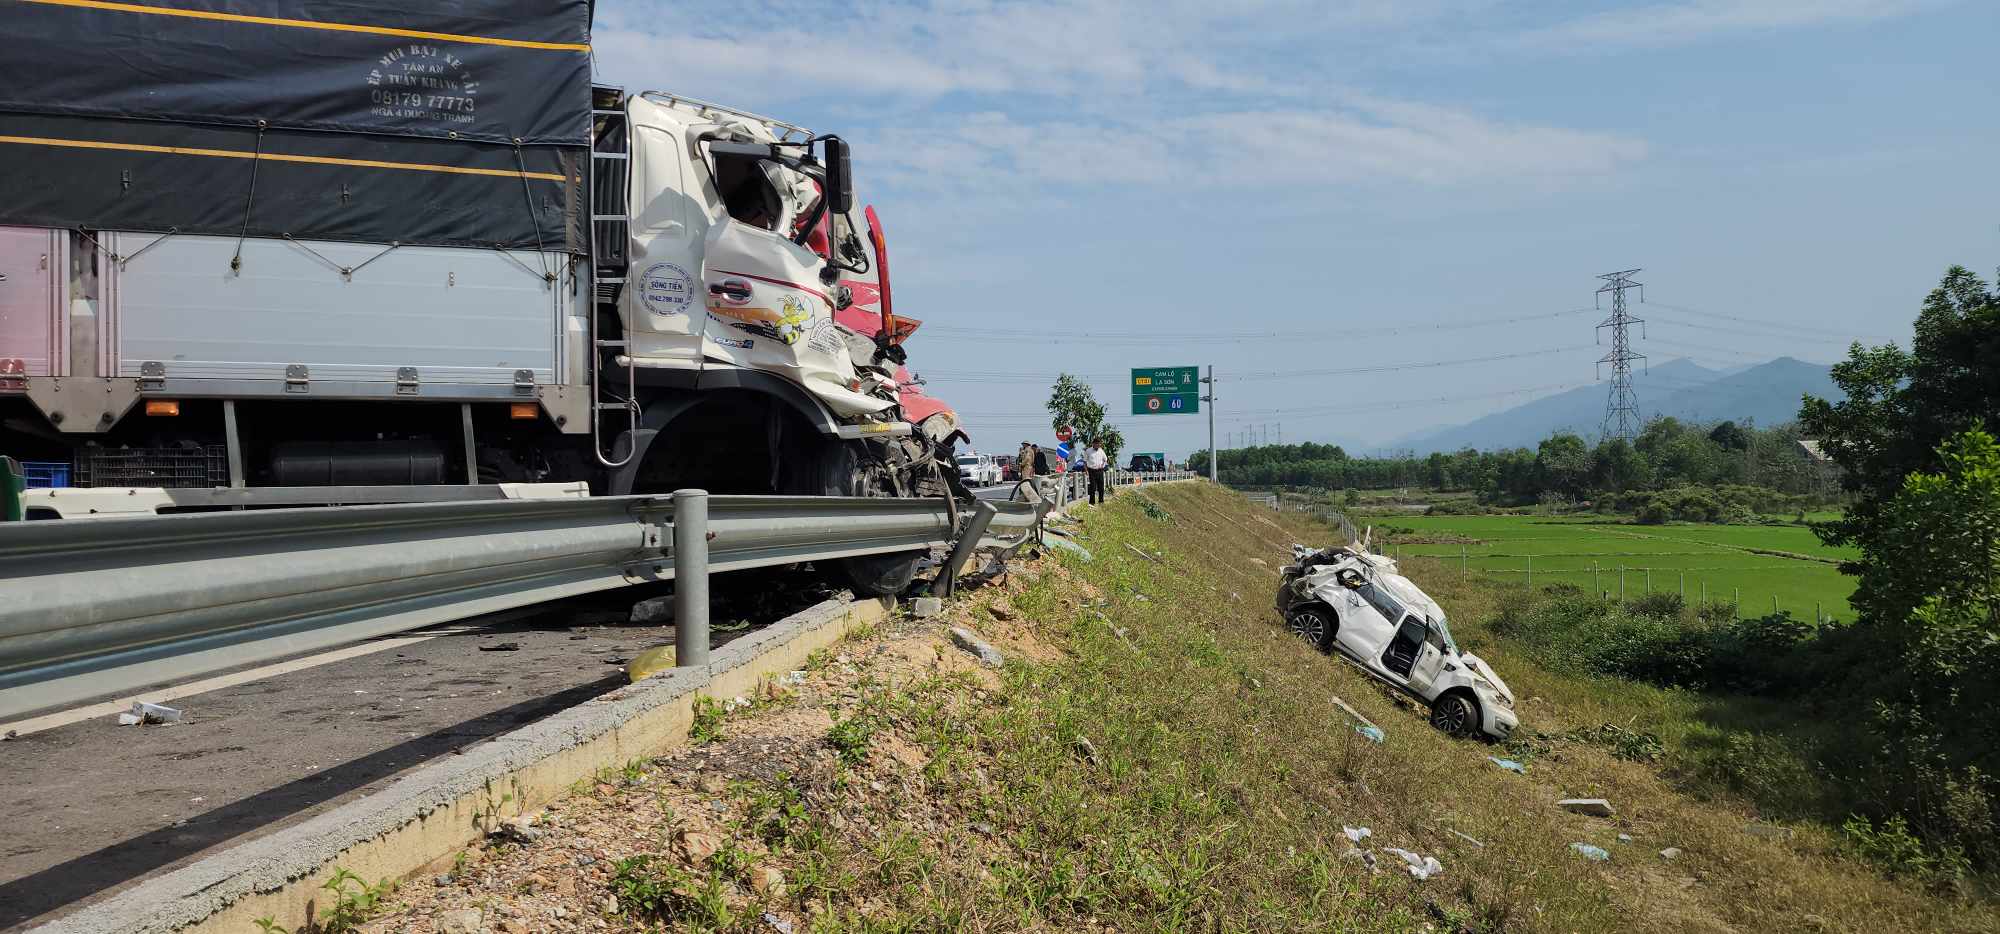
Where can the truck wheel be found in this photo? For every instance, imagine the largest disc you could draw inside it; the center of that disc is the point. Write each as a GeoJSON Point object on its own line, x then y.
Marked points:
{"type": "Point", "coordinates": [840, 473]}
{"type": "Point", "coordinates": [1456, 715]}
{"type": "Point", "coordinates": [1313, 625]}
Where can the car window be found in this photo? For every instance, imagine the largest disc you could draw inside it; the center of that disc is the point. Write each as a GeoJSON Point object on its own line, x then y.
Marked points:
{"type": "Point", "coordinates": [1384, 604]}
{"type": "Point", "coordinates": [1444, 632]}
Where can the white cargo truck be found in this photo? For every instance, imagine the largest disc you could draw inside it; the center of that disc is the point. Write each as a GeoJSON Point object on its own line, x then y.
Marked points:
{"type": "Point", "coordinates": [343, 264]}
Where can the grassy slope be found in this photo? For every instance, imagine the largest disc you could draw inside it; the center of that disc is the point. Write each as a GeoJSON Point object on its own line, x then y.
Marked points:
{"type": "Point", "coordinates": [1285, 742]}
{"type": "Point", "coordinates": [1157, 755]}
{"type": "Point", "coordinates": [1719, 555]}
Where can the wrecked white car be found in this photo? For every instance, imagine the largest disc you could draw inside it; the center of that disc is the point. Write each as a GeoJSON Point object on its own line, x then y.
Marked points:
{"type": "Point", "coordinates": [1347, 600]}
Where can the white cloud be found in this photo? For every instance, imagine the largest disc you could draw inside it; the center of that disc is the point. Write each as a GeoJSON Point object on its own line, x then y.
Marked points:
{"type": "Point", "coordinates": [957, 95]}
{"type": "Point", "coordinates": [1663, 23]}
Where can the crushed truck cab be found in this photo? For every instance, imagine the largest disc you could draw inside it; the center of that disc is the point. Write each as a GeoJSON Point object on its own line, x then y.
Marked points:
{"type": "Point", "coordinates": [1348, 601]}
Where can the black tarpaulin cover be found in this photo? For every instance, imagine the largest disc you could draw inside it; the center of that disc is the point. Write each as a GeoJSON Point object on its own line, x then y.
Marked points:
{"type": "Point", "coordinates": [416, 122]}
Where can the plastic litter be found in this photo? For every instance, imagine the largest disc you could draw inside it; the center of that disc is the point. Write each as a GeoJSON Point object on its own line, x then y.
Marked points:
{"type": "Point", "coordinates": [1508, 764]}
{"type": "Point", "coordinates": [143, 712]}
{"type": "Point", "coordinates": [1356, 834]}
{"type": "Point", "coordinates": [1466, 837]}
{"type": "Point", "coordinates": [1589, 852]}
{"type": "Point", "coordinates": [1371, 731]}
{"type": "Point", "coordinates": [1421, 867]}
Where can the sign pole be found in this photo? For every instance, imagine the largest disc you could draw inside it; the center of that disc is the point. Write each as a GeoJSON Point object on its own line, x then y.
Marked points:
{"type": "Point", "coordinates": [1210, 399]}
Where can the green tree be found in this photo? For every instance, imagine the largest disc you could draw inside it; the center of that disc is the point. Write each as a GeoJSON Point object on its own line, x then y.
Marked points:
{"type": "Point", "coordinates": [1072, 404]}
{"type": "Point", "coordinates": [1900, 408]}
{"type": "Point", "coordinates": [1562, 464]}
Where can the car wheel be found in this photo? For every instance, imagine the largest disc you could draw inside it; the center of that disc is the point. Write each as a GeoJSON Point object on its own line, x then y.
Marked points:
{"type": "Point", "coordinates": [1456, 715]}
{"type": "Point", "coordinates": [1313, 625]}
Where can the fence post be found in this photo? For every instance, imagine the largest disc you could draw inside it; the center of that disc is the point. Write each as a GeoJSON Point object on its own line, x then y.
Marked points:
{"type": "Point", "coordinates": [1774, 604]}
{"type": "Point", "coordinates": [1621, 582]}
{"type": "Point", "coordinates": [1464, 564]}
{"type": "Point", "coordinates": [1704, 591]}
{"type": "Point", "coordinates": [1529, 574]}
{"type": "Point", "coordinates": [1684, 585]}
{"type": "Point", "coordinates": [690, 578]}
{"type": "Point", "coordinates": [1736, 604]}
{"type": "Point", "coordinates": [1596, 586]}
{"type": "Point", "coordinates": [1817, 617]}
{"type": "Point", "coordinates": [1649, 580]}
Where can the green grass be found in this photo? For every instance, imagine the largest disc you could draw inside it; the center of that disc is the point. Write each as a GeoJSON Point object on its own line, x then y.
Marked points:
{"type": "Point", "coordinates": [1751, 563]}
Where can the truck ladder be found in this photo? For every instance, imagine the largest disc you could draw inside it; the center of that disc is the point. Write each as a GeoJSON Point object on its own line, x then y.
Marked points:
{"type": "Point", "coordinates": [610, 176]}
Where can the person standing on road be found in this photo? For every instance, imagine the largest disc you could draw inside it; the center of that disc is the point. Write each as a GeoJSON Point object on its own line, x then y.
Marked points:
{"type": "Point", "coordinates": [1024, 462]}
{"type": "Point", "coordinates": [1096, 462]}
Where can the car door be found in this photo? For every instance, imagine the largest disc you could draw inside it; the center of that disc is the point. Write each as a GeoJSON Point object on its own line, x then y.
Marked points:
{"type": "Point", "coordinates": [1363, 632]}
{"type": "Point", "coordinates": [1430, 661]}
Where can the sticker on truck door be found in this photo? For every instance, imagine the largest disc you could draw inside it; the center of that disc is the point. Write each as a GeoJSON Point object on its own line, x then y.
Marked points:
{"type": "Point", "coordinates": [666, 289]}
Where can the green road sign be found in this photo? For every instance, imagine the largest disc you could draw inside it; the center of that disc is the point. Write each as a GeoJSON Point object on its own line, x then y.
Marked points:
{"type": "Point", "coordinates": [1167, 390]}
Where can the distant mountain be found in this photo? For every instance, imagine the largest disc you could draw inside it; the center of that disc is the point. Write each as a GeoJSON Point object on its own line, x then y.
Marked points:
{"type": "Point", "coordinates": [1767, 393]}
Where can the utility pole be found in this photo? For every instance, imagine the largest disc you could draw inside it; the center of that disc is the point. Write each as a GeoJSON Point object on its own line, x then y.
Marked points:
{"type": "Point", "coordinates": [1209, 400]}
{"type": "Point", "coordinates": [1621, 404]}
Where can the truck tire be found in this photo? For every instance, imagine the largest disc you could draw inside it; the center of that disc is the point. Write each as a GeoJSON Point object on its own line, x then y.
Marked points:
{"type": "Point", "coordinates": [1456, 714]}
{"type": "Point", "coordinates": [838, 471]}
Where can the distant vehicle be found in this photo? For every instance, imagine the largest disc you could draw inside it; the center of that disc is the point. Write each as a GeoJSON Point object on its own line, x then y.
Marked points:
{"type": "Point", "coordinates": [1148, 463]}
{"type": "Point", "coordinates": [1347, 600]}
{"type": "Point", "coordinates": [978, 469]}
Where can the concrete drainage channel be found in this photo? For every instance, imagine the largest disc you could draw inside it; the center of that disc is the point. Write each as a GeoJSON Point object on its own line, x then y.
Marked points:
{"type": "Point", "coordinates": [435, 810]}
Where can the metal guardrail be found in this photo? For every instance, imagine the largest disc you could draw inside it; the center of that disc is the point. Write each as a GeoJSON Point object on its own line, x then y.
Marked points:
{"type": "Point", "coordinates": [108, 605]}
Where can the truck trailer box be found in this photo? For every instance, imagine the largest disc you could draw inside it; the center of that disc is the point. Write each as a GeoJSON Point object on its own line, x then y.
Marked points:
{"type": "Point", "coordinates": [296, 315]}
{"type": "Point", "coordinates": [34, 301]}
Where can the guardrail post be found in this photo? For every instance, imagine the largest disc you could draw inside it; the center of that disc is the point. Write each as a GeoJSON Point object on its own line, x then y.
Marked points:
{"type": "Point", "coordinates": [690, 578]}
{"type": "Point", "coordinates": [975, 529]}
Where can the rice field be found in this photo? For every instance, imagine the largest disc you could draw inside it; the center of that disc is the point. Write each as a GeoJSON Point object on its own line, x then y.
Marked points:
{"type": "Point", "coordinates": [1758, 567]}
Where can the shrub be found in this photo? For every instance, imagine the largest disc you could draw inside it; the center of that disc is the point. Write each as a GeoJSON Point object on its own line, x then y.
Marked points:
{"type": "Point", "coordinates": [1899, 852]}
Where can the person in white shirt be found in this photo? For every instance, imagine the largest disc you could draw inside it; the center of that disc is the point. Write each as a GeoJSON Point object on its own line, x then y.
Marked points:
{"type": "Point", "coordinates": [1095, 461]}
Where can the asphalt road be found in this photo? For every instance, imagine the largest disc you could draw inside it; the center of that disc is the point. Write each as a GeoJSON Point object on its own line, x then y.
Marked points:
{"type": "Point", "coordinates": [95, 806]}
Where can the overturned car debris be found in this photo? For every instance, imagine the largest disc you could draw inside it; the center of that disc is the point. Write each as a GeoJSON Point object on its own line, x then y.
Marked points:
{"type": "Point", "coordinates": [1347, 600]}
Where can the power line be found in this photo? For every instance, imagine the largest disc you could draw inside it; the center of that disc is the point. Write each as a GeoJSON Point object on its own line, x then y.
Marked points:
{"type": "Point", "coordinates": [1621, 404]}
{"type": "Point", "coordinates": [1786, 327]}
{"type": "Point", "coordinates": [1255, 376]}
{"type": "Point", "coordinates": [1322, 333]}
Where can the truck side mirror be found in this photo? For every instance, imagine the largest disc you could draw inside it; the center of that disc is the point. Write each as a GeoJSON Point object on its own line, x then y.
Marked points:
{"type": "Point", "coordinates": [839, 176]}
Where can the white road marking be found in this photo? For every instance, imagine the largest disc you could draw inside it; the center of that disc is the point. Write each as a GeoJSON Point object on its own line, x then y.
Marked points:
{"type": "Point", "coordinates": [50, 721]}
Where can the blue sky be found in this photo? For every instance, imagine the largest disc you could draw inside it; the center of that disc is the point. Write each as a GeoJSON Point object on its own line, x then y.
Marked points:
{"type": "Point", "coordinates": [1284, 188]}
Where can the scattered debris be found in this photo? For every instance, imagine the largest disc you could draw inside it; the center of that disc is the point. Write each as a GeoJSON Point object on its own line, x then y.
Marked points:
{"type": "Point", "coordinates": [501, 647]}
{"type": "Point", "coordinates": [1421, 867]}
{"type": "Point", "coordinates": [143, 712]}
{"type": "Point", "coordinates": [1350, 711]}
{"type": "Point", "coordinates": [1356, 834]}
{"type": "Point", "coordinates": [1767, 831]}
{"type": "Point", "coordinates": [1595, 853]}
{"type": "Point", "coordinates": [1067, 545]}
{"type": "Point", "coordinates": [1141, 598]}
{"type": "Point", "coordinates": [519, 830]}
{"type": "Point", "coordinates": [1508, 764]}
{"type": "Point", "coordinates": [650, 662]}
{"type": "Point", "coordinates": [1373, 732]}
{"type": "Point", "coordinates": [1465, 837]}
{"type": "Point", "coordinates": [1595, 807]}
{"type": "Point", "coordinates": [1366, 858]}
{"type": "Point", "coordinates": [1141, 553]}
{"type": "Point", "coordinates": [10, 735]}
{"type": "Point", "coordinates": [926, 607]}
{"type": "Point", "coordinates": [1087, 750]}
{"type": "Point", "coordinates": [1671, 853]}
{"type": "Point", "coordinates": [1624, 838]}
{"type": "Point", "coordinates": [777, 924]}
{"type": "Point", "coordinates": [654, 611]}
{"type": "Point", "coordinates": [1001, 610]}
{"type": "Point", "coordinates": [988, 655]}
